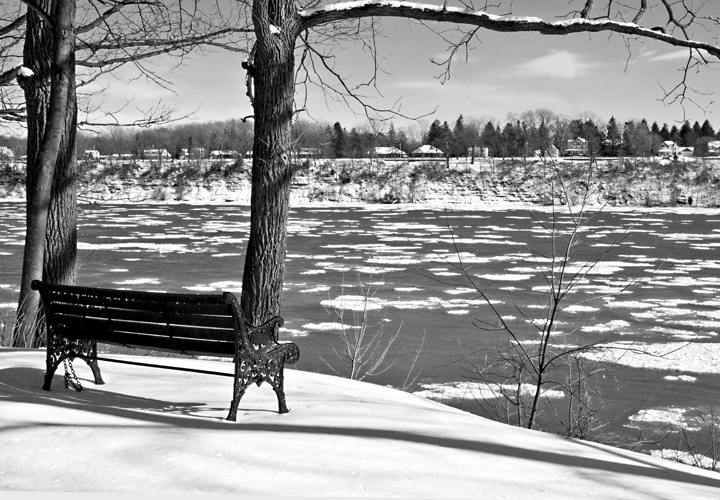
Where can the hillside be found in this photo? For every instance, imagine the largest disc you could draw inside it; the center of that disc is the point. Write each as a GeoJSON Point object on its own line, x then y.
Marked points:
{"type": "Point", "coordinates": [615, 182]}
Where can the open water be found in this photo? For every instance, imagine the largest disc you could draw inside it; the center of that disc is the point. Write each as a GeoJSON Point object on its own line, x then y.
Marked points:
{"type": "Point", "coordinates": [418, 270]}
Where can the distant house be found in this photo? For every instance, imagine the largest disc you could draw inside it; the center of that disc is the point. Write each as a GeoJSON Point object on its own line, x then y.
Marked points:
{"type": "Point", "coordinates": [6, 154]}
{"type": "Point", "coordinates": [156, 154]}
{"type": "Point", "coordinates": [304, 153]}
{"type": "Point", "coordinates": [388, 152]}
{"type": "Point", "coordinates": [576, 147]}
{"type": "Point", "coordinates": [91, 154]}
{"type": "Point", "coordinates": [714, 148]}
{"type": "Point", "coordinates": [551, 152]}
{"type": "Point", "coordinates": [427, 151]}
{"type": "Point", "coordinates": [668, 149]}
{"type": "Point", "coordinates": [223, 154]}
{"type": "Point", "coordinates": [685, 152]}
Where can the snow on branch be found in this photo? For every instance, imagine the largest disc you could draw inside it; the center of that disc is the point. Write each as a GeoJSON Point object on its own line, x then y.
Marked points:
{"type": "Point", "coordinates": [327, 14]}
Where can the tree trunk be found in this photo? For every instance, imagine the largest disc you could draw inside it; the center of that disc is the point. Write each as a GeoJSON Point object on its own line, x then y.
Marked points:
{"type": "Point", "coordinates": [51, 203]}
{"type": "Point", "coordinates": [273, 73]}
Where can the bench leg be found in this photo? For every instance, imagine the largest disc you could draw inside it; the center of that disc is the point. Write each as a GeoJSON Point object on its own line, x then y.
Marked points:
{"type": "Point", "coordinates": [279, 389]}
{"type": "Point", "coordinates": [89, 350]}
{"type": "Point", "coordinates": [243, 372]}
{"type": "Point", "coordinates": [57, 352]}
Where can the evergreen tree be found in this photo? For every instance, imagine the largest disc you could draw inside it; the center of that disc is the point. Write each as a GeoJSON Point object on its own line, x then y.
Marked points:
{"type": "Point", "coordinates": [355, 145]}
{"type": "Point", "coordinates": [687, 137]}
{"type": "Point", "coordinates": [665, 133]}
{"type": "Point", "coordinates": [543, 138]}
{"type": "Point", "coordinates": [675, 135]}
{"type": "Point", "coordinates": [511, 139]}
{"type": "Point", "coordinates": [391, 137]}
{"type": "Point", "coordinates": [459, 139]}
{"type": "Point", "coordinates": [434, 135]}
{"type": "Point", "coordinates": [707, 130]}
{"type": "Point", "coordinates": [338, 141]}
{"type": "Point", "coordinates": [613, 138]}
{"type": "Point", "coordinates": [490, 138]}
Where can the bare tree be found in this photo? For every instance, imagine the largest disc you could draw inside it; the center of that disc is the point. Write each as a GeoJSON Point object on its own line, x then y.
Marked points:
{"type": "Point", "coordinates": [97, 37]}
{"type": "Point", "coordinates": [288, 32]}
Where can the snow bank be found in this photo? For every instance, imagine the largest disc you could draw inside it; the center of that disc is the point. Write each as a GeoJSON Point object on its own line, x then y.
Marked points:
{"type": "Point", "coordinates": [162, 431]}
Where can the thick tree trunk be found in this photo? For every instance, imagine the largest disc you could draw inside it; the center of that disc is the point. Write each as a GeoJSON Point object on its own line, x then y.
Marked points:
{"type": "Point", "coordinates": [274, 78]}
{"type": "Point", "coordinates": [52, 117]}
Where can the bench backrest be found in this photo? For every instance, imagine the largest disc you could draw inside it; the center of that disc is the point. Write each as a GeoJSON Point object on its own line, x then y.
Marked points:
{"type": "Point", "coordinates": [188, 323]}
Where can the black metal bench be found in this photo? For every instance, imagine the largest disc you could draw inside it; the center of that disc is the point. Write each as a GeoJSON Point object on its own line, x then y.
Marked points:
{"type": "Point", "coordinates": [80, 317]}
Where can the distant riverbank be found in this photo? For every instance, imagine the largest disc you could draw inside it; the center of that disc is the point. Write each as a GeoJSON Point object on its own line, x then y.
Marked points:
{"type": "Point", "coordinates": [486, 182]}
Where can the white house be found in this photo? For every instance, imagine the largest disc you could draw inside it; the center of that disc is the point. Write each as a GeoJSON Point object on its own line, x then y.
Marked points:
{"type": "Point", "coordinates": [388, 152]}
{"type": "Point", "coordinates": [302, 153]}
{"type": "Point", "coordinates": [668, 149]}
{"type": "Point", "coordinates": [685, 152]}
{"type": "Point", "coordinates": [427, 151]}
{"type": "Point", "coordinates": [156, 154]}
{"type": "Point", "coordinates": [223, 154]}
{"type": "Point", "coordinates": [6, 154]}
{"type": "Point", "coordinates": [714, 148]}
{"type": "Point", "coordinates": [576, 147]}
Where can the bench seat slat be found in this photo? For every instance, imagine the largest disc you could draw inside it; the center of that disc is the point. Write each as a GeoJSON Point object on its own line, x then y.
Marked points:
{"type": "Point", "coordinates": [68, 324]}
{"type": "Point", "coordinates": [69, 290]}
{"type": "Point", "coordinates": [172, 317]}
{"type": "Point", "coordinates": [132, 303]}
{"type": "Point", "coordinates": [144, 341]}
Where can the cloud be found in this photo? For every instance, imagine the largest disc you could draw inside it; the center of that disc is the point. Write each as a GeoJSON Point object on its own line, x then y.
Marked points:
{"type": "Point", "coordinates": [558, 64]}
{"type": "Point", "coordinates": [671, 56]}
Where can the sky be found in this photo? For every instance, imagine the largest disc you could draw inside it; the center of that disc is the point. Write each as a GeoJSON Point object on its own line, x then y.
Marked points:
{"type": "Point", "coordinates": [503, 73]}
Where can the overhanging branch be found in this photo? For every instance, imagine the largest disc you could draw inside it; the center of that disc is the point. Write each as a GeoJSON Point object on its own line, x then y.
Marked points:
{"type": "Point", "coordinates": [311, 18]}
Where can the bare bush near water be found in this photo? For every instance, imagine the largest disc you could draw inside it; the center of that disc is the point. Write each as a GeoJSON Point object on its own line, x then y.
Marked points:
{"type": "Point", "coordinates": [365, 344]}
{"type": "Point", "coordinates": [520, 379]}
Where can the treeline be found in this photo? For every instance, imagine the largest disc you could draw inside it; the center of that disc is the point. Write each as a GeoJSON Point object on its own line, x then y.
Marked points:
{"type": "Point", "coordinates": [519, 136]}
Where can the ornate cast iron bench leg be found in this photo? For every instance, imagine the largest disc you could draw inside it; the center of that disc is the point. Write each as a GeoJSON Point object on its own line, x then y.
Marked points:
{"type": "Point", "coordinates": [243, 376]}
{"type": "Point", "coordinates": [60, 349]}
{"type": "Point", "coordinates": [88, 350]}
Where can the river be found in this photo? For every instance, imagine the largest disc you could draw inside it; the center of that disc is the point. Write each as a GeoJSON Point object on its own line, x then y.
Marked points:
{"type": "Point", "coordinates": [654, 286]}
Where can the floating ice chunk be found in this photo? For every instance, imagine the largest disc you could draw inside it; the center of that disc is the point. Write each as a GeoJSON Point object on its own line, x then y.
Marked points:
{"type": "Point", "coordinates": [460, 291]}
{"type": "Point", "coordinates": [326, 326]}
{"type": "Point", "coordinates": [681, 378]}
{"type": "Point", "coordinates": [463, 390]}
{"type": "Point", "coordinates": [505, 277]}
{"type": "Point", "coordinates": [139, 281]}
{"type": "Point", "coordinates": [320, 288]}
{"type": "Point", "coordinates": [577, 308]}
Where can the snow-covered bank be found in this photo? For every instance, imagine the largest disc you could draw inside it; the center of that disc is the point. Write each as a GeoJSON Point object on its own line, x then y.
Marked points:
{"type": "Point", "coordinates": [489, 182]}
{"type": "Point", "coordinates": [163, 431]}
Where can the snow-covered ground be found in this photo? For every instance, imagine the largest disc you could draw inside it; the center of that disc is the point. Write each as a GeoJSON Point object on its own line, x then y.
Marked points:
{"type": "Point", "coordinates": [162, 431]}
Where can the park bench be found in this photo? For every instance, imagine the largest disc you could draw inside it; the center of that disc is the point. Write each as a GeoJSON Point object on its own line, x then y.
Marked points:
{"type": "Point", "coordinates": [77, 318]}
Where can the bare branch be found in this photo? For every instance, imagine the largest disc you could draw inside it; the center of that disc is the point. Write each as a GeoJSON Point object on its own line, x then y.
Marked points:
{"type": "Point", "coordinates": [384, 8]}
